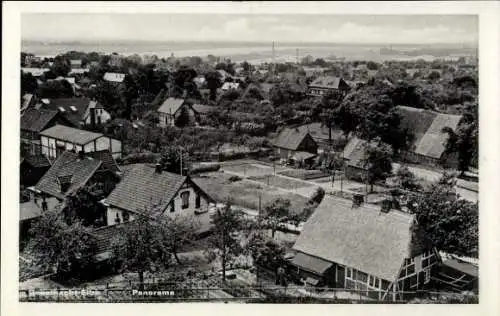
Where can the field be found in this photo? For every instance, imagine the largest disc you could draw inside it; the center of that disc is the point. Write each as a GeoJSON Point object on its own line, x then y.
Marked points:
{"type": "Point", "coordinates": [304, 174]}
{"type": "Point", "coordinates": [244, 193]}
{"type": "Point", "coordinates": [281, 182]}
{"type": "Point", "coordinates": [251, 170]}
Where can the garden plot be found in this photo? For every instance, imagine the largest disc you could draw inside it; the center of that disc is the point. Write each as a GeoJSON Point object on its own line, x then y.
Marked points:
{"type": "Point", "coordinates": [250, 170]}
{"type": "Point", "coordinates": [245, 193]}
{"type": "Point", "coordinates": [281, 182]}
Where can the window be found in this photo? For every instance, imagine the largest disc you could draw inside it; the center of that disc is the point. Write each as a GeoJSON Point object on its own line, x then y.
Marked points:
{"type": "Point", "coordinates": [371, 280]}
{"type": "Point", "coordinates": [348, 272]}
{"type": "Point", "coordinates": [410, 269]}
{"type": "Point", "coordinates": [198, 201]}
{"type": "Point", "coordinates": [362, 276]}
{"type": "Point", "coordinates": [185, 199]}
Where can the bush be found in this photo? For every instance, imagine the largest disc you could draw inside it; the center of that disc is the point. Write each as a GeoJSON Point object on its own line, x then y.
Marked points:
{"type": "Point", "coordinates": [139, 158]}
{"type": "Point", "coordinates": [317, 196]}
{"type": "Point", "coordinates": [205, 168]}
{"type": "Point", "coordinates": [234, 179]}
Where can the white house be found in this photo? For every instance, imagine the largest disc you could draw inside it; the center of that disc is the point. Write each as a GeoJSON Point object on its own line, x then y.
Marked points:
{"type": "Point", "coordinates": [59, 138]}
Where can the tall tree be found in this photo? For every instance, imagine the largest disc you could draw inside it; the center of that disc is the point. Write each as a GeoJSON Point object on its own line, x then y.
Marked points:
{"type": "Point", "coordinates": [276, 213]}
{"type": "Point", "coordinates": [213, 79]}
{"type": "Point", "coordinates": [59, 245]}
{"type": "Point", "coordinates": [142, 246]}
{"type": "Point", "coordinates": [225, 246]}
{"type": "Point", "coordinates": [451, 223]}
{"type": "Point", "coordinates": [179, 231]}
{"type": "Point", "coordinates": [377, 162]}
{"type": "Point", "coordinates": [463, 142]}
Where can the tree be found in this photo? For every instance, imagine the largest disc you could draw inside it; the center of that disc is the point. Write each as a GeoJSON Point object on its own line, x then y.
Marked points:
{"type": "Point", "coordinates": [85, 206]}
{"type": "Point", "coordinates": [449, 222]}
{"type": "Point", "coordinates": [407, 179]}
{"type": "Point", "coordinates": [225, 246]}
{"type": "Point", "coordinates": [377, 162]}
{"type": "Point", "coordinates": [179, 231]}
{"type": "Point", "coordinates": [330, 109]}
{"type": "Point", "coordinates": [29, 83]}
{"type": "Point", "coordinates": [265, 253]}
{"type": "Point", "coordinates": [213, 79]}
{"type": "Point", "coordinates": [55, 89]}
{"type": "Point", "coordinates": [276, 213]}
{"type": "Point", "coordinates": [171, 160]}
{"type": "Point", "coordinates": [142, 246]}
{"type": "Point", "coordinates": [59, 245]}
{"type": "Point", "coordinates": [61, 66]}
{"type": "Point", "coordinates": [463, 142]}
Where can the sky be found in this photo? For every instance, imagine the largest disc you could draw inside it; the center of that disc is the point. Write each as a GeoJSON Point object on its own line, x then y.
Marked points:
{"type": "Point", "coordinates": [395, 29]}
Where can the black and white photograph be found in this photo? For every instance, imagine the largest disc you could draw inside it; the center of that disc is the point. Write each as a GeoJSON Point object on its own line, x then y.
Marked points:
{"type": "Point", "coordinates": [284, 158]}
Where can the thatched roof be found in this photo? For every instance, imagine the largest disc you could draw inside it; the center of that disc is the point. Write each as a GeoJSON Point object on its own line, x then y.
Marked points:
{"type": "Point", "coordinates": [362, 237]}
{"type": "Point", "coordinates": [427, 126]}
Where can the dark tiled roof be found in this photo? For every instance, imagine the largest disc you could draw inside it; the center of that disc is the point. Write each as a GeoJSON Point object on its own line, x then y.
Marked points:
{"type": "Point", "coordinates": [362, 237]}
{"type": "Point", "coordinates": [67, 164]}
{"type": "Point", "coordinates": [37, 161]}
{"type": "Point", "coordinates": [80, 104]}
{"type": "Point", "coordinates": [37, 120]}
{"type": "Point", "coordinates": [105, 156]}
{"type": "Point", "coordinates": [290, 138]}
{"type": "Point", "coordinates": [70, 134]}
{"type": "Point", "coordinates": [171, 105]}
{"type": "Point", "coordinates": [141, 187]}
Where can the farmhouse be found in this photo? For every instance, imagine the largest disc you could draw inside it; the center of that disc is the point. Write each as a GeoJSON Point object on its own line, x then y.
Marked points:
{"type": "Point", "coordinates": [321, 134]}
{"type": "Point", "coordinates": [71, 171]}
{"type": "Point", "coordinates": [354, 157]}
{"type": "Point", "coordinates": [429, 141]}
{"type": "Point", "coordinates": [80, 111]}
{"type": "Point", "coordinates": [292, 141]}
{"type": "Point", "coordinates": [356, 246]}
{"type": "Point", "coordinates": [325, 84]}
{"type": "Point", "coordinates": [59, 138]}
{"type": "Point", "coordinates": [175, 112]}
{"type": "Point", "coordinates": [33, 122]}
{"type": "Point", "coordinates": [146, 186]}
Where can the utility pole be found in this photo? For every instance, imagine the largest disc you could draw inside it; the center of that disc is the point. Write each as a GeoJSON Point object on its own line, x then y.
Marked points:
{"type": "Point", "coordinates": [181, 161]}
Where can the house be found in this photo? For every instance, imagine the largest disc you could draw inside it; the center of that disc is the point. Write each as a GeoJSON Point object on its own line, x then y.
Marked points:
{"type": "Point", "coordinates": [429, 141]}
{"type": "Point", "coordinates": [175, 112]}
{"type": "Point", "coordinates": [230, 86]}
{"type": "Point", "coordinates": [325, 84]}
{"type": "Point", "coordinates": [292, 141]}
{"type": "Point", "coordinates": [60, 138]}
{"type": "Point", "coordinates": [202, 111]}
{"type": "Point", "coordinates": [200, 81]}
{"type": "Point", "coordinates": [80, 111]}
{"type": "Point", "coordinates": [321, 134]}
{"type": "Point", "coordinates": [75, 63]}
{"type": "Point", "coordinates": [114, 77]}
{"type": "Point", "coordinates": [354, 157]}
{"type": "Point", "coordinates": [78, 71]}
{"type": "Point", "coordinates": [33, 122]}
{"type": "Point", "coordinates": [349, 244]}
{"type": "Point", "coordinates": [32, 169]}
{"type": "Point", "coordinates": [71, 171]}
{"type": "Point", "coordinates": [35, 72]}
{"type": "Point", "coordinates": [145, 186]}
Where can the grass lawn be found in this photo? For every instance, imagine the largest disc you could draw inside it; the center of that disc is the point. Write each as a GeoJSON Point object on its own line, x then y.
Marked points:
{"type": "Point", "coordinates": [281, 182]}
{"type": "Point", "coordinates": [244, 193]}
{"type": "Point", "coordinates": [249, 170]}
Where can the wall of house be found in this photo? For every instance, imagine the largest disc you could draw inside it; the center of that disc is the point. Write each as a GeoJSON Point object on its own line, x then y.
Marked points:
{"type": "Point", "coordinates": [361, 281]}
{"type": "Point", "coordinates": [353, 173]}
{"type": "Point", "coordinates": [284, 153]}
{"type": "Point", "coordinates": [48, 146]}
{"type": "Point", "coordinates": [309, 145]}
{"type": "Point", "coordinates": [166, 119]}
{"type": "Point", "coordinates": [103, 114]}
{"type": "Point", "coordinates": [113, 212]}
{"type": "Point", "coordinates": [116, 148]}
{"type": "Point", "coordinates": [416, 271]}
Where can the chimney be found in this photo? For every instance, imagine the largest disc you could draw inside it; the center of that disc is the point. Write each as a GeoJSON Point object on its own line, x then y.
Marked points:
{"type": "Point", "coordinates": [357, 200]}
{"type": "Point", "coordinates": [64, 182]}
{"type": "Point", "coordinates": [386, 206]}
{"type": "Point", "coordinates": [158, 168]}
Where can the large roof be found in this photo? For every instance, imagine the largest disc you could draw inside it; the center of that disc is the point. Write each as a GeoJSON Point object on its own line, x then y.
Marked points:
{"type": "Point", "coordinates": [354, 152]}
{"type": "Point", "coordinates": [74, 108]}
{"type": "Point", "coordinates": [105, 156]}
{"type": "Point", "coordinates": [141, 187]}
{"type": "Point", "coordinates": [37, 161]}
{"type": "Point", "coordinates": [68, 165]}
{"type": "Point", "coordinates": [327, 82]}
{"type": "Point", "coordinates": [70, 134]}
{"type": "Point", "coordinates": [427, 128]}
{"type": "Point", "coordinates": [171, 105]}
{"type": "Point", "coordinates": [290, 138]}
{"type": "Point", "coordinates": [362, 238]}
{"type": "Point", "coordinates": [36, 120]}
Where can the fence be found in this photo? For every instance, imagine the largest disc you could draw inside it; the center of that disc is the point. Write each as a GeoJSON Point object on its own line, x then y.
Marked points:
{"type": "Point", "coordinates": [171, 292]}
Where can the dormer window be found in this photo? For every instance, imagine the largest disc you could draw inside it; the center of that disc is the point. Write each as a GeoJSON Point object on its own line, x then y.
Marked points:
{"type": "Point", "coordinates": [62, 109]}
{"type": "Point", "coordinates": [64, 182]}
{"type": "Point", "coordinates": [73, 108]}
